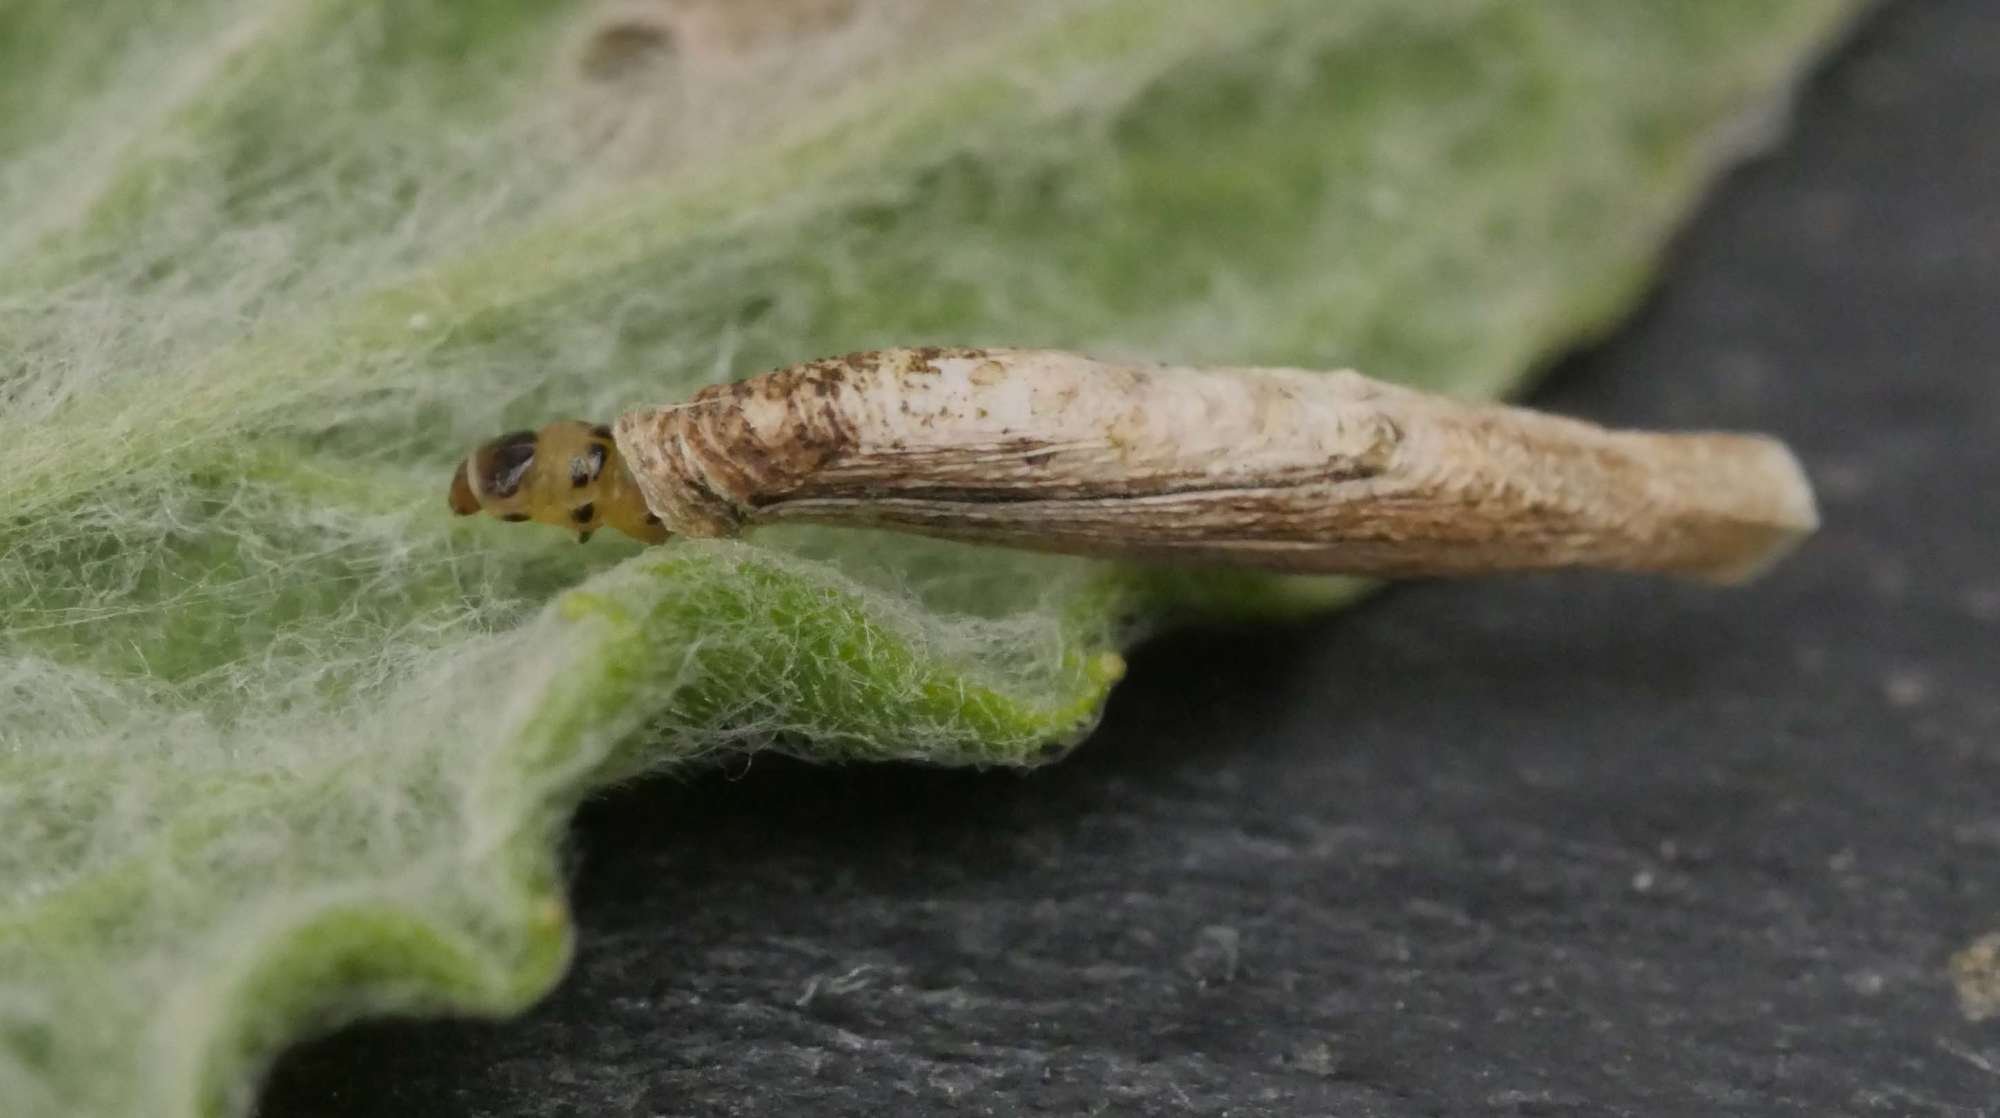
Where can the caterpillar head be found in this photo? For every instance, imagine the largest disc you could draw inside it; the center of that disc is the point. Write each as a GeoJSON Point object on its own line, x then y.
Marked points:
{"type": "Point", "coordinates": [568, 474]}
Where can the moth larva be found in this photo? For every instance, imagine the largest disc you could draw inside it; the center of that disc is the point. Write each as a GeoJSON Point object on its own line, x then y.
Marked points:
{"type": "Point", "coordinates": [1282, 469]}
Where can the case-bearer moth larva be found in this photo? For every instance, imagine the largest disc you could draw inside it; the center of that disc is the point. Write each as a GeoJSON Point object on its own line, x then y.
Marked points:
{"type": "Point", "coordinates": [1283, 469]}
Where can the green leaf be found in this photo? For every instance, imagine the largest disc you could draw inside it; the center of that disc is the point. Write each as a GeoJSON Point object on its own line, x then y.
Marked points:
{"type": "Point", "coordinates": [285, 744]}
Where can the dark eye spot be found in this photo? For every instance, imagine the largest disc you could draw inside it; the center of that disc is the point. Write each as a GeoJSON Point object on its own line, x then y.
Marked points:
{"type": "Point", "coordinates": [652, 518]}
{"type": "Point", "coordinates": [505, 461]}
{"type": "Point", "coordinates": [516, 518]}
{"type": "Point", "coordinates": [602, 431]}
{"type": "Point", "coordinates": [583, 513]}
{"type": "Point", "coordinates": [584, 468]}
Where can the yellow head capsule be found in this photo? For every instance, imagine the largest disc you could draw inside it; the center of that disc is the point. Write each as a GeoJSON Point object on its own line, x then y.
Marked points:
{"type": "Point", "coordinates": [568, 474]}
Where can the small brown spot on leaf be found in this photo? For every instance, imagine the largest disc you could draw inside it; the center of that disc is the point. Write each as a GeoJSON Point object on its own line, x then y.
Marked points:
{"type": "Point", "coordinates": [627, 44]}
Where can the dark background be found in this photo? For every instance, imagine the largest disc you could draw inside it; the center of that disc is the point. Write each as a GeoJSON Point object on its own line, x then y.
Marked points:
{"type": "Point", "coordinates": [1573, 845]}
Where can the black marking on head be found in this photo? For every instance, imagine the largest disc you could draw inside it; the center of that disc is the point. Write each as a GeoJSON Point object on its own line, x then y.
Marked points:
{"type": "Point", "coordinates": [583, 513]}
{"type": "Point", "coordinates": [507, 459]}
{"type": "Point", "coordinates": [517, 518]}
{"type": "Point", "coordinates": [652, 518]}
{"type": "Point", "coordinates": [584, 468]}
{"type": "Point", "coordinates": [602, 431]}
